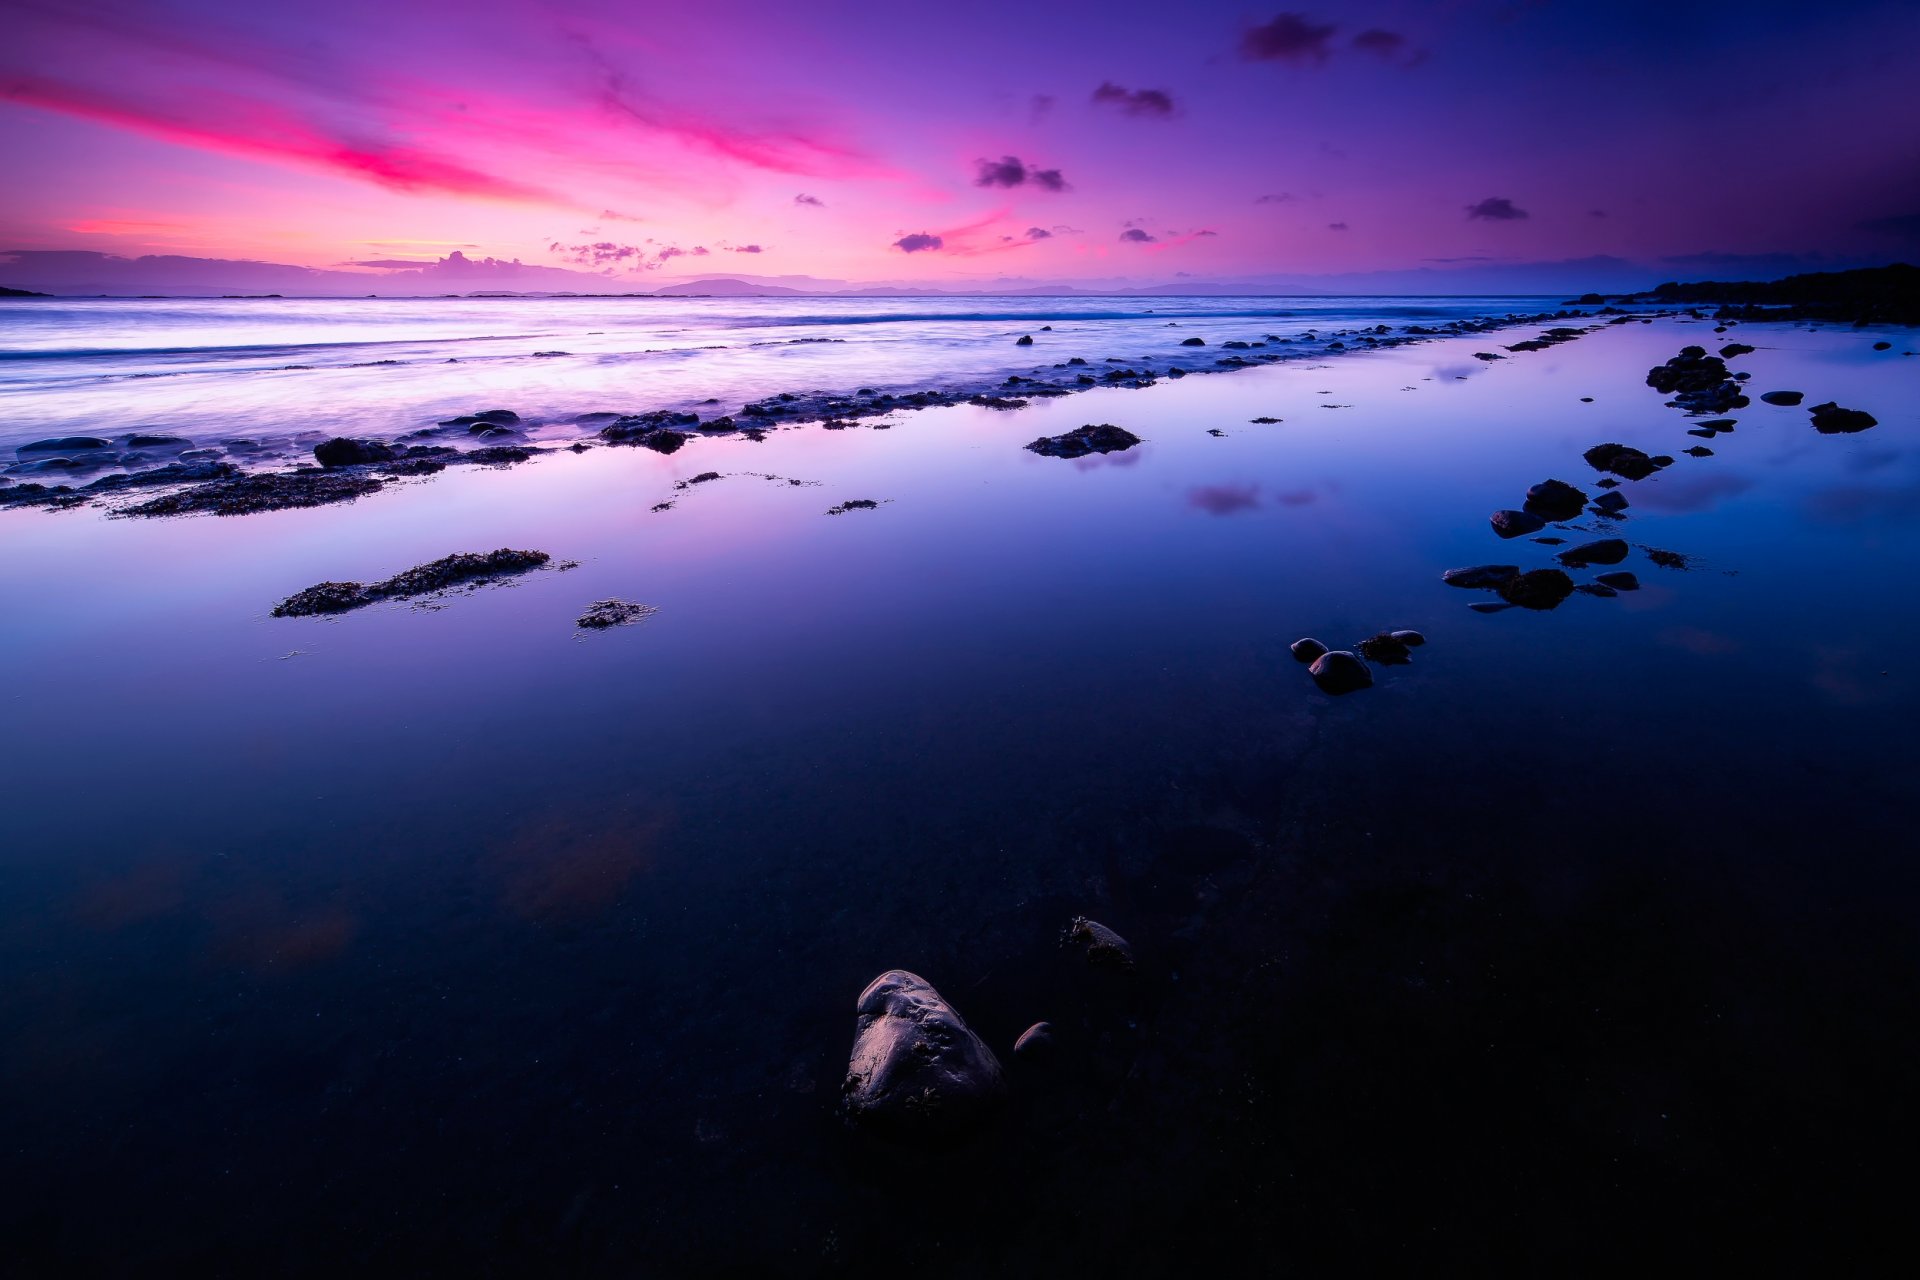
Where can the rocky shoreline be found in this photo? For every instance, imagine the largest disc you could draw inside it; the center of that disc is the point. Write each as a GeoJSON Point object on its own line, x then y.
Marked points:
{"type": "Point", "coordinates": [238, 477]}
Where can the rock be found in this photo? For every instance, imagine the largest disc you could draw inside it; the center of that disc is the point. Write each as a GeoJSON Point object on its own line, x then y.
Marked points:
{"type": "Point", "coordinates": [143, 441]}
{"type": "Point", "coordinates": [1489, 606]}
{"type": "Point", "coordinates": [1788, 398]}
{"type": "Point", "coordinates": [1385, 650]}
{"type": "Point", "coordinates": [238, 495]}
{"type": "Point", "coordinates": [1194, 342]}
{"type": "Point", "coordinates": [499, 417]}
{"type": "Point", "coordinates": [1025, 340]}
{"type": "Point", "coordinates": [1035, 1043]}
{"type": "Point", "coordinates": [61, 444]}
{"type": "Point", "coordinates": [1830, 419]}
{"type": "Point", "coordinates": [917, 1070]}
{"type": "Point", "coordinates": [1540, 589]}
{"type": "Point", "coordinates": [1611, 502]}
{"type": "Point", "coordinates": [1604, 551]}
{"type": "Point", "coordinates": [1104, 948]}
{"type": "Point", "coordinates": [1699, 451]}
{"type": "Point", "coordinates": [489, 429]}
{"type": "Point", "coordinates": [1596, 589]}
{"type": "Point", "coordinates": [425, 579]}
{"type": "Point", "coordinates": [1621, 460]}
{"type": "Point", "coordinates": [1883, 346]}
{"type": "Point", "coordinates": [1619, 580]}
{"type": "Point", "coordinates": [1719, 424]}
{"type": "Point", "coordinates": [853, 504]}
{"type": "Point", "coordinates": [1693, 370]}
{"type": "Point", "coordinates": [1480, 576]}
{"type": "Point", "coordinates": [1412, 639]}
{"type": "Point", "coordinates": [1513, 524]}
{"type": "Point", "coordinates": [602, 614]}
{"type": "Point", "coordinates": [1338, 672]}
{"type": "Point", "coordinates": [1555, 500]}
{"type": "Point", "coordinates": [1306, 650]}
{"type": "Point", "coordinates": [343, 452]}
{"type": "Point", "coordinates": [1101, 437]}
{"type": "Point", "coordinates": [1733, 349]}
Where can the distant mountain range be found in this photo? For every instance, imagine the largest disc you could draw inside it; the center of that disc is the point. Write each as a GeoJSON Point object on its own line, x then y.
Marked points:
{"type": "Point", "coordinates": [82, 273]}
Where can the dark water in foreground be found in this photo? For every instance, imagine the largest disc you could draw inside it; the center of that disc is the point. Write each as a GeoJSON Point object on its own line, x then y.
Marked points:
{"type": "Point", "coordinates": [452, 940]}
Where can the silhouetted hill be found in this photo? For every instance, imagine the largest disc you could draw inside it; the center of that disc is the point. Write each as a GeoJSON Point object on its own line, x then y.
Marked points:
{"type": "Point", "coordinates": [1882, 295]}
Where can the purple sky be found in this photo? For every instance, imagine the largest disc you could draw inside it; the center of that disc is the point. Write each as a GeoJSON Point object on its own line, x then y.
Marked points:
{"type": "Point", "coordinates": [967, 144]}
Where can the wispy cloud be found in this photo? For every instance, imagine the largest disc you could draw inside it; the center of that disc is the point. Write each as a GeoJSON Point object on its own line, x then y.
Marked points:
{"type": "Point", "coordinates": [1151, 103]}
{"type": "Point", "coordinates": [1496, 209]}
{"type": "Point", "coordinates": [1010, 171]}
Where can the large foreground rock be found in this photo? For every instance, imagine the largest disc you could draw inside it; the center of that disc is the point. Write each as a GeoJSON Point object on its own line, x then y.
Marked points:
{"type": "Point", "coordinates": [917, 1069]}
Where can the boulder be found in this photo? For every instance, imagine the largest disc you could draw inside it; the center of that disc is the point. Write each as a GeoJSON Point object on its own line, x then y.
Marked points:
{"type": "Point", "coordinates": [1194, 342]}
{"type": "Point", "coordinates": [1555, 500]}
{"type": "Point", "coordinates": [1024, 340]}
{"type": "Point", "coordinates": [917, 1070]}
{"type": "Point", "coordinates": [61, 444]}
{"type": "Point", "coordinates": [1338, 672]}
{"type": "Point", "coordinates": [1621, 460]}
{"type": "Point", "coordinates": [343, 452]}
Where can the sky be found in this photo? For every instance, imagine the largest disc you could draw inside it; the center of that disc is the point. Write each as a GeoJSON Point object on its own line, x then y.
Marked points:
{"type": "Point", "coordinates": [960, 145]}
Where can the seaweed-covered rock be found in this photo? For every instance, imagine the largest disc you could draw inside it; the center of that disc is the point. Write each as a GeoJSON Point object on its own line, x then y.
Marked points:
{"type": "Point", "coordinates": [466, 567]}
{"type": "Point", "coordinates": [1514, 524]}
{"type": "Point", "coordinates": [1692, 370]}
{"type": "Point", "coordinates": [1338, 671]}
{"type": "Point", "coordinates": [1101, 437]}
{"type": "Point", "coordinates": [917, 1070]}
{"type": "Point", "coordinates": [271, 491]}
{"type": "Point", "coordinates": [1103, 948]}
{"type": "Point", "coordinates": [1540, 589]}
{"type": "Point", "coordinates": [1830, 419]}
{"type": "Point", "coordinates": [344, 452]}
{"type": "Point", "coordinates": [602, 614]}
{"type": "Point", "coordinates": [1387, 649]}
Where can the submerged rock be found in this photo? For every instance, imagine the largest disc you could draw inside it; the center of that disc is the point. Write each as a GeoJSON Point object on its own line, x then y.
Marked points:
{"type": "Point", "coordinates": [917, 1070]}
{"type": "Point", "coordinates": [1306, 650]}
{"type": "Point", "coordinates": [1386, 649]}
{"type": "Point", "coordinates": [344, 452]}
{"type": "Point", "coordinates": [1514, 524]}
{"type": "Point", "coordinates": [62, 444]}
{"type": "Point", "coordinates": [602, 614]}
{"type": "Point", "coordinates": [1541, 589]}
{"type": "Point", "coordinates": [1604, 551]}
{"type": "Point", "coordinates": [247, 494]}
{"type": "Point", "coordinates": [853, 504]}
{"type": "Point", "coordinates": [1104, 948]}
{"type": "Point", "coordinates": [1619, 580]}
{"type": "Point", "coordinates": [1612, 502]}
{"type": "Point", "coordinates": [448, 571]}
{"type": "Point", "coordinates": [1830, 419]}
{"type": "Point", "coordinates": [1102, 437]}
{"type": "Point", "coordinates": [1480, 576]}
{"type": "Point", "coordinates": [1338, 672]}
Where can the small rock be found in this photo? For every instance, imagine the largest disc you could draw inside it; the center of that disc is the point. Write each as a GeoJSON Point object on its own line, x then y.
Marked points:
{"type": "Point", "coordinates": [1412, 639]}
{"type": "Point", "coordinates": [1104, 948]}
{"type": "Point", "coordinates": [1604, 551]}
{"type": "Point", "coordinates": [1385, 650]}
{"type": "Point", "coordinates": [1612, 502]}
{"type": "Point", "coordinates": [1883, 346]}
{"type": "Point", "coordinates": [1621, 460]}
{"type": "Point", "coordinates": [1830, 419]}
{"type": "Point", "coordinates": [1489, 606]}
{"type": "Point", "coordinates": [1102, 437]}
{"type": "Point", "coordinates": [1699, 451]}
{"type": "Point", "coordinates": [1035, 1043]}
{"type": "Point", "coordinates": [1733, 349]}
{"type": "Point", "coordinates": [602, 614]}
{"type": "Point", "coordinates": [1306, 650]}
{"type": "Point", "coordinates": [1782, 397]}
{"type": "Point", "coordinates": [1338, 672]}
{"type": "Point", "coordinates": [1596, 589]}
{"type": "Point", "coordinates": [1513, 524]}
{"type": "Point", "coordinates": [1619, 580]}
{"type": "Point", "coordinates": [343, 452]}
{"type": "Point", "coordinates": [61, 444]}
{"type": "Point", "coordinates": [1025, 340]}
{"type": "Point", "coordinates": [1540, 589]}
{"type": "Point", "coordinates": [1555, 500]}
{"type": "Point", "coordinates": [1194, 342]}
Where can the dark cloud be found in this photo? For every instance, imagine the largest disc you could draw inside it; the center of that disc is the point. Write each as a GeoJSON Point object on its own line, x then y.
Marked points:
{"type": "Point", "coordinates": [671, 251]}
{"type": "Point", "coordinates": [1905, 226]}
{"type": "Point", "coordinates": [1135, 102]}
{"type": "Point", "coordinates": [746, 248]}
{"type": "Point", "coordinates": [1039, 107]}
{"type": "Point", "coordinates": [1039, 233]}
{"type": "Point", "coordinates": [1278, 197]}
{"type": "Point", "coordinates": [918, 242]}
{"type": "Point", "coordinates": [1385, 44]}
{"type": "Point", "coordinates": [1288, 38]}
{"type": "Point", "coordinates": [1496, 209]}
{"type": "Point", "coordinates": [1008, 171]}
{"type": "Point", "coordinates": [1135, 235]}
{"type": "Point", "coordinates": [815, 201]}
{"type": "Point", "coordinates": [600, 253]}
{"type": "Point", "coordinates": [1336, 226]}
